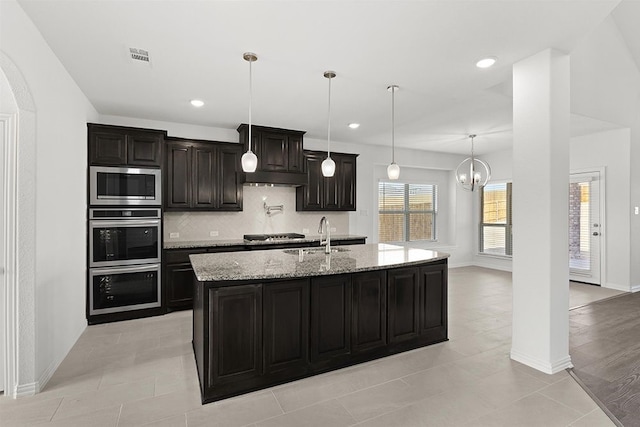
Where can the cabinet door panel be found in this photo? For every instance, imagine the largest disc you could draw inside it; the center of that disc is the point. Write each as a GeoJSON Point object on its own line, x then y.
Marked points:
{"type": "Point", "coordinates": [179, 285]}
{"type": "Point", "coordinates": [330, 317]}
{"type": "Point", "coordinates": [106, 148]}
{"type": "Point", "coordinates": [309, 197]}
{"type": "Point", "coordinates": [286, 325]}
{"type": "Point", "coordinates": [404, 299]}
{"type": "Point", "coordinates": [296, 158]}
{"type": "Point", "coordinates": [433, 299]}
{"type": "Point", "coordinates": [203, 176]}
{"type": "Point", "coordinates": [347, 182]}
{"type": "Point", "coordinates": [228, 177]}
{"type": "Point", "coordinates": [331, 192]}
{"type": "Point", "coordinates": [235, 325]}
{"type": "Point", "coordinates": [144, 149]}
{"type": "Point", "coordinates": [273, 152]}
{"type": "Point", "coordinates": [178, 176]}
{"type": "Point", "coordinates": [369, 319]}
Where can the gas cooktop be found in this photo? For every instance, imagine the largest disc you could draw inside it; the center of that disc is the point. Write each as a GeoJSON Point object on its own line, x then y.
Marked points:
{"type": "Point", "coordinates": [273, 237]}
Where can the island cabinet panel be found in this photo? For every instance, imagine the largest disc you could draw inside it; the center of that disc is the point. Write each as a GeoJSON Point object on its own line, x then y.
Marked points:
{"type": "Point", "coordinates": [369, 318]}
{"type": "Point", "coordinates": [286, 326]}
{"type": "Point", "coordinates": [433, 301]}
{"type": "Point", "coordinates": [235, 327]}
{"type": "Point", "coordinates": [404, 304]}
{"type": "Point", "coordinates": [330, 319]}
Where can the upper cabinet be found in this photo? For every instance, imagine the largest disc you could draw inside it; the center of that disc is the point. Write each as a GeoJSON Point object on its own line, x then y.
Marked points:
{"type": "Point", "coordinates": [125, 146]}
{"type": "Point", "coordinates": [278, 150]}
{"type": "Point", "coordinates": [337, 193]}
{"type": "Point", "coordinates": [202, 175]}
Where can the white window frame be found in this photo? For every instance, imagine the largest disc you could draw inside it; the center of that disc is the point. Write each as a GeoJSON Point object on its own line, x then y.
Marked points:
{"type": "Point", "coordinates": [508, 226]}
{"type": "Point", "coordinates": [406, 212]}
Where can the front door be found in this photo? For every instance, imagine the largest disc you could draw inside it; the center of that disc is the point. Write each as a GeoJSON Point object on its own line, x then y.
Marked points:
{"type": "Point", "coordinates": [585, 227]}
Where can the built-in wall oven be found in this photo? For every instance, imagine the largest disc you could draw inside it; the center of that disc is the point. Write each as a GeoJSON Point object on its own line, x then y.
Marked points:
{"type": "Point", "coordinates": [111, 185]}
{"type": "Point", "coordinates": [124, 259]}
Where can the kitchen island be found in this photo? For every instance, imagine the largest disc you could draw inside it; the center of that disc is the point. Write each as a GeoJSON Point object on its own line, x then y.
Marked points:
{"type": "Point", "coordinates": [263, 318]}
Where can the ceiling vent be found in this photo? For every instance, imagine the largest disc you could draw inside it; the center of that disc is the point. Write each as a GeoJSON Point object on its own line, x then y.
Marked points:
{"type": "Point", "coordinates": [139, 55]}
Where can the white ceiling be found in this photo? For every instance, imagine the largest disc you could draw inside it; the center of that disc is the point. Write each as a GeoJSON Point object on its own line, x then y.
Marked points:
{"type": "Point", "coordinates": [428, 48]}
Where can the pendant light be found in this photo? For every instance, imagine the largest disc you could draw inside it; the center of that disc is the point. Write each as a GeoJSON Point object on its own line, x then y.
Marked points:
{"type": "Point", "coordinates": [472, 173]}
{"type": "Point", "coordinates": [393, 170]}
{"type": "Point", "coordinates": [328, 165]}
{"type": "Point", "coordinates": [249, 159]}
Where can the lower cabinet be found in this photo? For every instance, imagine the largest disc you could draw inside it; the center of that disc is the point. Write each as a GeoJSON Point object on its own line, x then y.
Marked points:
{"type": "Point", "coordinates": [330, 327]}
{"type": "Point", "coordinates": [369, 311]}
{"type": "Point", "coordinates": [249, 336]}
{"type": "Point", "coordinates": [285, 327]}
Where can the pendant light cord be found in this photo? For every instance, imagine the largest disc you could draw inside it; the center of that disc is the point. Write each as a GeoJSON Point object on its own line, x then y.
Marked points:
{"type": "Point", "coordinates": [393, 124]}
{"type": "Point", "coordinates": [329, 123]}
{"type": "Point", "coordinates": [250, 100]}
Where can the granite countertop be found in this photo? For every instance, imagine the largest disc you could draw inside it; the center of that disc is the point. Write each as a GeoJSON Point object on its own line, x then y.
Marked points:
{"type": "Point", "coordinates": [241, 242]}
{"type": "Point", "coordinates": [292, 263]}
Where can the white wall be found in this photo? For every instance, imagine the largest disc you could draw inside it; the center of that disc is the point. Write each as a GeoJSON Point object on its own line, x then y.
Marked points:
{"type": "Point", "coordinates": [61, 113]}
{"type": "Point", "coordinates": [605, 84]}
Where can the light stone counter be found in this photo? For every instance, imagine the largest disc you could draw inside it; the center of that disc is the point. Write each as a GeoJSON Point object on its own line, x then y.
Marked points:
{"type": "Point", "coordinates": [294, 263]}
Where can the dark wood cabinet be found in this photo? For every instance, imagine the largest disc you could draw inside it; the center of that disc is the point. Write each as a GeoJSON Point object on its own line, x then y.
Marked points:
{"type": "Point", "coordinates": [202, 175]}
{"type": "Point", "coordinates": [249, 335]}
{"type": "Point", "coordinates": [369, 312]}
{"type": "Point", "coordinates": [235, 346]}
{"type": "Point", "coordinates": [433, 301]}
{"type": "Point", "coordinates": [403, 304]}
{"type": "Point", "coordinates": [278, 150]}
{"type": "Point", "coordinates": [124, 146]}
{"type": "Point", "coordinates": [330, 330]}
{"type": "Point", "coordinates": [336, 193]}
{"type": "Point", "coordinates": [285, 327]}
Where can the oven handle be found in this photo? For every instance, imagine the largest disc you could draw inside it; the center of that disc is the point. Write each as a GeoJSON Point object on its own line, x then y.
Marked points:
{"type": "Point", "coordinates": [119, 270]}
{"type": "Point", "coordinates": [124, 223]}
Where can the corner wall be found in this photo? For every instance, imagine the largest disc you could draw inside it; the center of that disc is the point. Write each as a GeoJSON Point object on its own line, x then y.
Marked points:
{"type": "Point", "coordinates": [58, 207]}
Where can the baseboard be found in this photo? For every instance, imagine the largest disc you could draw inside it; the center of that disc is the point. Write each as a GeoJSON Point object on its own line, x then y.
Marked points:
{"type": "Point", "coordinates": [460, 264]}
{"type": "Point", "coordinates": [542, 365]}
{"type": "Point", "coordinates": [24, 390]}
{"type": "Point", "coordinates": [623, 288]}
{"type": "Point", "coordinates": [493, 263]}
{"type": "Point", "coordinates": [635, 288]}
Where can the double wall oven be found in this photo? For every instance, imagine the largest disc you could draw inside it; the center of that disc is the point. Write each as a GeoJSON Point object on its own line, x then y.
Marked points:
{"type": "Point", "coordinates": [125, 240]}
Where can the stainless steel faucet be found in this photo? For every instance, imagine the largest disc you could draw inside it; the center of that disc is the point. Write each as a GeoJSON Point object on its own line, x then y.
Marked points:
{"type": "Point", "coordinates": [327, 241]}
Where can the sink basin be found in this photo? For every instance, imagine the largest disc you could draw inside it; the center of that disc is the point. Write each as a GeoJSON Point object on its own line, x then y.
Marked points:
{"type": "Point", "coordinates": [311, 251]}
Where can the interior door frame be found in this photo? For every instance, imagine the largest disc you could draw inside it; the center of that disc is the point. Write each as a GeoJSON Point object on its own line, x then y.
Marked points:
{"type": "Point", "coordinates": [601, 170]}
{"type": "Point", "coordinates": [10, 254]}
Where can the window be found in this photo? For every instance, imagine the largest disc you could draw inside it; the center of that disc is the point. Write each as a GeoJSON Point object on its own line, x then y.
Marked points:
{"type": "Point", "coordinates": [495, 221]}
{"type": "Point", "coordinates": [406, 212]}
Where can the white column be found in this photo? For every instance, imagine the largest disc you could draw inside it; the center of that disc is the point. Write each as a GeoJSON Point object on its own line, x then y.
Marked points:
{"type": "Point", "coordinates": [540, 211]}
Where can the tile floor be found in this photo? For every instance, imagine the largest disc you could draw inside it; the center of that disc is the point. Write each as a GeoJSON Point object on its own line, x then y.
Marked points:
{"type": "Point", "coordinates": [142, 373]}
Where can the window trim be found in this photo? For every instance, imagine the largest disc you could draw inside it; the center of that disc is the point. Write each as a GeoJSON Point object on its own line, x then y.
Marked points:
{"type": "Point", "coordinates": [406, 212]}
{"type": "Point", "coordinates": [508, 226]}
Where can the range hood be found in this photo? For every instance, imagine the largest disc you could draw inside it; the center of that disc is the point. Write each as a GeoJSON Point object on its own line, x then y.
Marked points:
{"type": "Point", "coordinates": [290, 179]}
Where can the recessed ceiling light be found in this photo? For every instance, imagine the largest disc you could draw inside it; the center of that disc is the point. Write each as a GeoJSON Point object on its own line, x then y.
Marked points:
{"type": "Point", "coordinates": [354, 125]}
{"type": "Point", "coordinates": [486, 62]}
{"type": "Point", "coordinates": [197, 103]}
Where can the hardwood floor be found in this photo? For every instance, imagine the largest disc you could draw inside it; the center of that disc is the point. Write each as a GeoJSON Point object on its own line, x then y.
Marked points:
{"type": "Point", "coordinates": [605, 350]}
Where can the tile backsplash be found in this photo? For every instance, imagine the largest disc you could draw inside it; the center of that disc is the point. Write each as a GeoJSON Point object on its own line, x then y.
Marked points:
{"type": "Point", "coordinates": [252, 220]}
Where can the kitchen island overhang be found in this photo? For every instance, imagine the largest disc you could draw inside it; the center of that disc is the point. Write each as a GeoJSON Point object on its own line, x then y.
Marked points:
{"type": "Point", "coordinates": [268, 317]}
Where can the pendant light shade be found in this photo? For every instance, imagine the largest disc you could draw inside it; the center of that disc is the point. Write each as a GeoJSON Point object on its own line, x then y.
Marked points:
{"type": "Point", "coordinates": [393, 170]}
{"type": "Point", "coordinates": [328, 165]}
{"type": "Point", "coordinates": [472, 173]}
{"type": "Point", "coordinates": [249, 159]}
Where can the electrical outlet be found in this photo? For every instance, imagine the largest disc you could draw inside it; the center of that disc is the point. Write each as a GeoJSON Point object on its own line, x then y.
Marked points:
{"type": "Point", "coordinates": [637, 210]}
{"type": "Point", "coordinates": [213, 233]}
{"type": "Point", "coordinates": [305, 231]}
{"type": "Point", "coordinates": [174, 235]}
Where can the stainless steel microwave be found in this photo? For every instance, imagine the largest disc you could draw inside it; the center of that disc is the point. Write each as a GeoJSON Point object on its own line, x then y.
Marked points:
{"type": "Point", "coordinates": [124, 186]}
